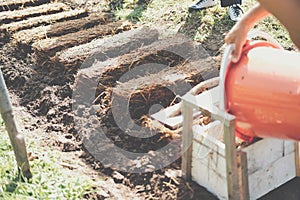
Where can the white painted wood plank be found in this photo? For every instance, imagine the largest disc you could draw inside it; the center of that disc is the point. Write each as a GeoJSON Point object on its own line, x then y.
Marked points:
{"type": "Point", "coordinates": [262, 153]}
{"type": "Point", "coordinates": [268, 178]}
{"type": "Point", "coordinates": [163, 116]}
{"type": "Point", "coordinates": [213, 129]}
{"type": "Point", "coordinates": [288, 146]}
{"type": "Point", "coordinates": [209, 157]}
{"type": "Point", "coordinates": [203, 135]}
{"type": "Point", "coordinates": [207, 178]}
{"type": "Point", "coordinates": [207, 100]}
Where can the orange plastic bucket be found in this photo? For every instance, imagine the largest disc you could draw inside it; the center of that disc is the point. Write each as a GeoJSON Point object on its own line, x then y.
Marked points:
{"type": "Point", "coordinates": [262, 91]}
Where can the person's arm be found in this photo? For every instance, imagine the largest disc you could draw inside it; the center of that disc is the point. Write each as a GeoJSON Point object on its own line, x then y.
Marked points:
{"type": "Point", "coordinates": [238, 34]}
{"type": "Point", "coordinates": [288, 13]}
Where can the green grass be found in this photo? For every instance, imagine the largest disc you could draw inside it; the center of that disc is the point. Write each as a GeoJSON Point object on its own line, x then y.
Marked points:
{"type": "Point", "coordinates": [49, 181]}
{"type": "Point", "coordinates": [199, 26]}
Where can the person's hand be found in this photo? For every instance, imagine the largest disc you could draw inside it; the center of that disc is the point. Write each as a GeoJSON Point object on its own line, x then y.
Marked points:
{"type": "Point", "coordinates": [238, 33]}
{"type": "Point", "coordinates": [237, 36]}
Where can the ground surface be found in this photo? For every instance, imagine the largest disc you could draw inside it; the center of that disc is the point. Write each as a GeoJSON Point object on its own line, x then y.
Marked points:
{"type": "Point", "coordinates": [45, 98]}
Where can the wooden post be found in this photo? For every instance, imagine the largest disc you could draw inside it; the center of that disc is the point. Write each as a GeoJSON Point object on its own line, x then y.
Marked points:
{"type": "Point", "coordinates": [231, 160]}
{"type": "Point", "coordinates": [17, 139]}
{"type": "Point", "coordinates": [187, 140]}
{"type": "Point", "coordinates": [297, 158]}
{"type": "Point", "coordinates": [243, 175]}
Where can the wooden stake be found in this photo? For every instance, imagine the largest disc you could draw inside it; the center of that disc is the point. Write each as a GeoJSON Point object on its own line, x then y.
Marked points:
{"type": "Point", "coordinates": [297, 158]}
{"type": "Point", "coordinates": [243, 175]}
{"type": "Point", "coordinates": [231, 160]}
{"type": "Point", "coordinates": [16, 138]}
{"type": "Point", "coordinates": [187, 140]}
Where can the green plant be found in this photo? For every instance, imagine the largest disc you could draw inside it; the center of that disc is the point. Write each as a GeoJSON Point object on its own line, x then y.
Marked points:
{"type": "Point", "coordinates": [49, 181]}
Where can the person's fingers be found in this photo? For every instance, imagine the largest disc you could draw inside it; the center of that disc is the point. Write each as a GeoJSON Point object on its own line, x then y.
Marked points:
{"type": "Point", "coordinates": [236, 53]}
{"type": "Point", "coordinates": [228, 39]}
{"type": "Point", "coordinates": [237, 50]}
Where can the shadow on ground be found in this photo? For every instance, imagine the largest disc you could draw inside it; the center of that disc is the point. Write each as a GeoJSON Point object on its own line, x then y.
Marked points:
{"type": "Point", "coordinates": [212, 36]}
{"type": "Point", "coordinates": [137, 12]}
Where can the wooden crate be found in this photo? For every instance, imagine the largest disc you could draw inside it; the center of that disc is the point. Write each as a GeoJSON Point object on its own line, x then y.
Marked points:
{"type": "Point", "coordinates": [211, 159]}
{"type": "Point", "coordinates": [269, 163]}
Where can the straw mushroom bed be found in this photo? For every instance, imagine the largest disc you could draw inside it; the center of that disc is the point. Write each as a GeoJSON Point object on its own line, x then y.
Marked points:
{"type": "Point", "coordinates": [145, 60]}
{"type": "Point", "coordinates": [18, 15]}
{"type": "Point", "coordinates": [9, 29]}
{"type": "Point", "coordinates": [25, 38]}
{"type": "Point", "coordinates": [45, 49]}
{"type": "Point", "coordinates": [6, 5]}
{"type": "Point", "coordinates": [105, 48]}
